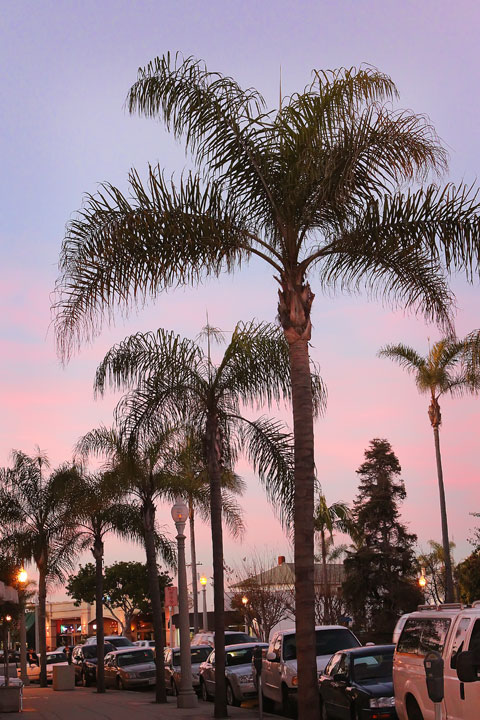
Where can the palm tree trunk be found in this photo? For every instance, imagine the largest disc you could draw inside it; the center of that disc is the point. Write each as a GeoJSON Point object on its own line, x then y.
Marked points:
{"type": "Point", "coordinates": [193, 561]}
{"type": "Point", "coordinates": [97, 551]}
{"type": "Point", "coordinates": [154, 588]}
{"type": "Point", "coordinates": [302, 403]}
{"type": "Point", "coordinates": [449, 593]}
{"type": "Point", "coordinates": [214, 454]}
{"type": "Point", "coordinates": [42, 612]}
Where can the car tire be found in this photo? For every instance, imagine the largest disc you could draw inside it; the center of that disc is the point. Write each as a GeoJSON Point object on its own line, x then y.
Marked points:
{"type": "Point", "coordinates": [119, 684]}
{"type": "Point", "coordinates": [85, 680]}
{"type": "Point", "coordinates": [413, 710]}
{"type": "Point", "coordinates": [267, 703]}
{"type": "Point", "coordinates": [231, 699]}
{"type": "Point", "coordinates": [203, 691]}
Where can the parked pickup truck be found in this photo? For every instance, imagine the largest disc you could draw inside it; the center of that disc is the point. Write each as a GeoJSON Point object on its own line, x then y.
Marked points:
{"type": "Point", "coordinates": [453, 631]}
{"type": "Point", "coordinates": [279, 668]}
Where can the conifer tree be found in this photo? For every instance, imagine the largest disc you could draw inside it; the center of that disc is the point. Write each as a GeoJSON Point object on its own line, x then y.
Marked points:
{"type": "Point", "coordinates": [380, 571]}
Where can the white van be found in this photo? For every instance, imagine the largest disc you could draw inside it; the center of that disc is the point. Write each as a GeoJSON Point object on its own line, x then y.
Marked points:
{"type": "Point", "coordinates": [448, 629]}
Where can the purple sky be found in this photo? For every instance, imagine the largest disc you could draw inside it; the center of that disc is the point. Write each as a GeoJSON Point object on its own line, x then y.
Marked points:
{"type": "Point", "coordinates": [67, 67]}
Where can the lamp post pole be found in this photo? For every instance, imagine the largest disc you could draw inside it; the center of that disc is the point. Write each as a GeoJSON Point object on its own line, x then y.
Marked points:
{"type": "Point", "coordinates": [22, 582]}
{"type": "Point", "coordinates": [187, 697]}
{"type": "Point", "coordinates": [245, 603]}
{"type": "Point", "coordinates": [203, 582]}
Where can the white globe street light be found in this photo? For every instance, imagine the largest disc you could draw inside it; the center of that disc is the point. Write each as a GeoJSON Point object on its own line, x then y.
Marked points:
{"type": "Point", "coordinates": [203, 583]}
{"type": "Point", "coordinates": [187, 697]}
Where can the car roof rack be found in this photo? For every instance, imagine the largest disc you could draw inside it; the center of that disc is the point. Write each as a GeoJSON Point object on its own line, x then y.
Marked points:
{"type": "Point", "coordinates": [443, 606]}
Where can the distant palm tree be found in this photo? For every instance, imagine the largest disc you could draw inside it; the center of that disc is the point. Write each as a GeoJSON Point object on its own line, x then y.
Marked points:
{"type": "Point", "coordinates": [101, 511]}
{"type": "Point", "coordinates": [38, 525]}
{"type": "Point", "coordinates": [173, 377]}
{"type": "Point", "coordinates": [447, 370]}
{"type": "Point", "coordinates": [327, 519]}
{"type": "Point", "coordinates": [138, 468]}
{"type": "Point", "coordinates": [189, 469]}
{"type": "Point", "coordinates": [317, 188]}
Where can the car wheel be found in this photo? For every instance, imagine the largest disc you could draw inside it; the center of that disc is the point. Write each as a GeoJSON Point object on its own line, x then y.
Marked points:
{"type": "Point", "coordinates": [231, 699]}
{"type": "Point", "coordinates": [85, 679]}
{"type": "Point", "coordinates": [203, 691]}
{"type": "Point", "coordinates": [267, 703]}
{"type": "Point", "coordinates": [413, 710]}
{"type": "Point", "coordinates": [174, 688]}
{"type": "Point", "coordinates": [120, 685]}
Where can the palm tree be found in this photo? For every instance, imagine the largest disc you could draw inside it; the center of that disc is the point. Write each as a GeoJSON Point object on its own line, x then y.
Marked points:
{"type": "Point", "coordinates": [38, 524]}
{"type": "Point", "coordinates": [311, 190]}
{"type": "Point", "coordinates": [100, 512]}
{"type": "Point", "coordinates": [138, 467]}
{"type": "Point", "coordinates": [447, 370]}
{"type": "Point", "coordinates": [189, 470]}
{"type": "Point", "coordinates": [327, 520]}
{"type": "Point", "coordinates": [173, 377]}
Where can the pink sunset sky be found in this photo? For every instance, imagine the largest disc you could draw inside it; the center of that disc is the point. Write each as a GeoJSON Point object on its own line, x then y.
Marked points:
{"type": "Point", "coordinates": [67, 67]}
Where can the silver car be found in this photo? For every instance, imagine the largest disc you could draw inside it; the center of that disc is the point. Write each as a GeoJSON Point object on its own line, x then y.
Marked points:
{"type": "Point", "coordinates": [238, 671]}
{"type": "Point", "coordinates": [129, 668]}
{"type": "Point", "coordinates": [173, 675]}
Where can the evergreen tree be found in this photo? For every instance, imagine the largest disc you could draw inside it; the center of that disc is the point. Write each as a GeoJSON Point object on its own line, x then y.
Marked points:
{"type": "Point", "coordinates": [380, 571]}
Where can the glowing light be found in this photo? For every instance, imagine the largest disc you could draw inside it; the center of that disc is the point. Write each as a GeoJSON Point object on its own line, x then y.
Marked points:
{"type": "Point", "coordinates": [422, 581]}
{"type": "Point", "coordinates": [245, 600]}
{"type": "Point", "coordinates": [203, 580]}
{"type": "Point", "coordinates": [22, 575]}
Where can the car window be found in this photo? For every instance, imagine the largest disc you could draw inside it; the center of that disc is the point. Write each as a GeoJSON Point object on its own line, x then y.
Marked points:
{"type": "Point", "coordinates": [56, 658]}
{"type": "Point", "coordinates": [135, 657]}
{"type": "Point", "coordinates": [372, 668]}
{"type": "Point", "coordinates": [120, 642]}
{"type": "Point", "coordinates": [327, 642]}
{"type": "Point", "coordinates": [459, 640]}
{"type": "Point", "coordinates": [333, 664]}
{"type": "Point", "coordinates": [237, 638]}
{"type": "Point", "coordinates": [423, 635]}
{"type": "Point", "coordinates": [242, 656]}
{"type": "Point", "coordinates": [474, 642]}
{"type": "Point", "coordinates": [200, 654]}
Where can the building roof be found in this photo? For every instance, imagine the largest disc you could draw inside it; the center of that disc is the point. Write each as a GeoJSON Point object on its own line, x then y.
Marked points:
{"type": "Point", "coordinates": [284, 574]}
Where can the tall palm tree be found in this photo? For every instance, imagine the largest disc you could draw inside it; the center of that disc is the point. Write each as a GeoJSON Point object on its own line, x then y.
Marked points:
{"type": "Point", "coordinates": [327, 519]}
{"type": "Point", "coordinates": [446, 370]}
{"type": "Point", "coordinates": [173, 377]}
{"type": "Point", "coordinates": [189, 469]}
{"type": "Point", "coordinates": [100, 512]}
{"type": "Point", "coordinates": [137, 465]}
{"type": "Point", "coordinates": [38, 525]}
{"type": "Point", "coordinates": [311, 189]}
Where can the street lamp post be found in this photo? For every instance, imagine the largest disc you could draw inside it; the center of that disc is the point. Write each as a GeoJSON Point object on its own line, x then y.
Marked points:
{"type": "Point", "coordinates": [245, 603]}
{"type": "Point", "coordinates": [203, 583]}
{"type": "Point", "coordinates": [187, 697]}
{"type": "Point", "coordinates": [22, 578]}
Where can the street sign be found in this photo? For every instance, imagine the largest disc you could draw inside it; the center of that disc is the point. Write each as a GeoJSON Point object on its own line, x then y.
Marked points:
{"type": "Point", "coordinates": [171, 596]}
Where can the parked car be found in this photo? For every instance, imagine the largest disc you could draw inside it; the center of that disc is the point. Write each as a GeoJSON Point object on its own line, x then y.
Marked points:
{"type": "Point", "coordinates": [279, 667]}
{"type": "Point", "coordinates": [130, 667]}
{"type": "Point", "coordinates": [145, 643]}
{"type": "Point", "coordinates": [173, 675]}
{"type": "Point", "coordinates": [358, 683]}
{"type": "Point", "coordinates": [54, 657]}
{"type": "Point", "coordinates": [232, 637]}
{"type": "Point", "coordinates": [452, 630]}
{"type": "Point", "coordinates": [117, 641]}
{"type": "Point", "coordinates": [84, 660]}
{"type": "Point", "coordinates": [238, 672]}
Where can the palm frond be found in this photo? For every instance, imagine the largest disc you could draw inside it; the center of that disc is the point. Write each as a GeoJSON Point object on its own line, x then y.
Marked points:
{"type": "Point", "coordinates": [404, 355]}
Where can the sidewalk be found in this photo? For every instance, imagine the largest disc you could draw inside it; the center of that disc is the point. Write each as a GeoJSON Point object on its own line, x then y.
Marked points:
{"type": "Point", "coordinates": [86, 704]}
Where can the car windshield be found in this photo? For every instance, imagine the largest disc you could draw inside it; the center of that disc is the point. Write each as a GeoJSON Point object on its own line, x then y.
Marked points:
{"type": "Point", "coordinates": [199, 655]}
{"type": "Point", "coordinates": [328, 642]}
{"type": "Point", "coordinates": [120, 642]}
{"type": "Point", "coordinates": [237, 638]}
{"type": "Point", "coordinates": [90, 651]}
{"type": "Point", "coordinates": [135, 657]}
{"type": "Point", "coordinates": [242, 656]}
{"type": "Point", "coordinates": [370, 668]}
{"type": "Point", "coordinates": [56, 658]}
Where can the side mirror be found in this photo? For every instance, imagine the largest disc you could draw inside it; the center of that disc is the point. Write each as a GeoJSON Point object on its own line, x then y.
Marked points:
{"type": "Point", "coordinates": [340, 677]}
{"type": "Point", "coordinates": [466, 667]}
{"type": "Point", "coordinates": [271, 656]}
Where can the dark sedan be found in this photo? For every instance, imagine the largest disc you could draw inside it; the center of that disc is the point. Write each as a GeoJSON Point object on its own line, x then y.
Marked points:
{"type": "Point", "coordinates": [357, 683]}
{"type": "Point", "coordinates": [84, 660]}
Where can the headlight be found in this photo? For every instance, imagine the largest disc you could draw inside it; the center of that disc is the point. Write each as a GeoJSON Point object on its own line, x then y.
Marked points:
{"type": "Point", "coordinates": [131, 674]}
{"type": "Point", "coordinates": [294, 681]}
{"type": "Point", "coordinates": [382, 702]}
{"type": "Point", "coordinates": [245, 679]}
